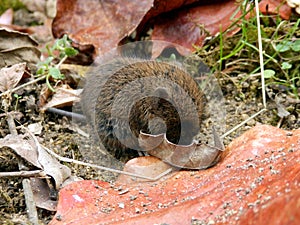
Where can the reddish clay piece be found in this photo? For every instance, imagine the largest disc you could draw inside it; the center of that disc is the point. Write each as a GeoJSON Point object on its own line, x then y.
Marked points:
{"type": "Point", "coordinates": [256, 183]}
{"type": "Point", "coordinates": [148, 166]}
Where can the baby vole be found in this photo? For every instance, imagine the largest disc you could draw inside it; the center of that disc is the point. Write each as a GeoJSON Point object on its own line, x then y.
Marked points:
{"type": "Point", "coordinates": [126, 96]}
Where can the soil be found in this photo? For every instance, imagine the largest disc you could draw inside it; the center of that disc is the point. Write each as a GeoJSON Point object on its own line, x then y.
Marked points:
{"type": "Point", "coordinates": [243, 99]}
{"type": "Point", "coordinates": [60, 135]}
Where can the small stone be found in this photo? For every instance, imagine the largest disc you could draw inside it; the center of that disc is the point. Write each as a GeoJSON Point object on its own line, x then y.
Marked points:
{"type": "Point", "coordinates": [121, 205]}
{"type": "Point", "coordinates": [137, 210]}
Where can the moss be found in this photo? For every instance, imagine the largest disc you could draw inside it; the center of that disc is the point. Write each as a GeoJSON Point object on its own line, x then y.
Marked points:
{"type": "Point", "coordinates": [14, 4]}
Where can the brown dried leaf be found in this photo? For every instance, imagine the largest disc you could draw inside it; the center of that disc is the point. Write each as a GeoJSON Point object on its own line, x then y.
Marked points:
{"type": "Point", "coordinates": [34, 153]}
{"type": "Point", "coordinates": [12, 39]}
{"type": "Point", "coordinates": [189, 27]}
{"type": "Point", "coordinates": [24, 54]}
{"type": "Point", "coordinates": [281, 111]}
{"type": "Point", "coordinates": [102, 23]}
{"type": "Point", "coordinates": [193, 156]}
{"type": "Point", "coordinates": [10, 77]}
{"type": "Point", "coordinates": [16, 47]}
{"type": "Point", "coordinates": [41, 194]}
{"type": "Point", "coordinates": [64, 96]}
{"type": "Point", "coordinates": [23, 147]}
{"type": "Point", "coordinates": [162, 6]}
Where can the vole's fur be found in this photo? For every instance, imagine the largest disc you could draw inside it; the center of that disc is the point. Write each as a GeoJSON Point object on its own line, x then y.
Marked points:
{"type": "Point", "coordinates": [127, 96]}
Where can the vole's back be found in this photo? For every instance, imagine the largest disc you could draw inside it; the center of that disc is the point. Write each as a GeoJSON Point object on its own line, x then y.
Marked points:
{"type": "Point", "coordinates": [127, 96]}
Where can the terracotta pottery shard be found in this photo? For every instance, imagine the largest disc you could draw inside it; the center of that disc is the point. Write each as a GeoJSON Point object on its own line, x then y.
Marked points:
{"type": "Point", "coordinates": [193, 156]}
{"type": "Point", "coordinates": [258, 182]}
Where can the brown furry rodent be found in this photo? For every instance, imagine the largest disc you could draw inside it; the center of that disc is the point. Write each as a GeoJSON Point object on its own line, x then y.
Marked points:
{"type": "Point", "coordinates": [124, 97]}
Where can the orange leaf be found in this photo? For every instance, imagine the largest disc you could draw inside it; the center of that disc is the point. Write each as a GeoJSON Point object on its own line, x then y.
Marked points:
{"type": "Point", "coordinates": [189, 27]}
{"type": "Point", "coordinates": [100, 23]}
{"type": "Point", "coordinates": [275, 7]}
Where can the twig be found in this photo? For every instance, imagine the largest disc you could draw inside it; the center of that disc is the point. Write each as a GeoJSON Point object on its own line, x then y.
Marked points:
{"type": "Point", "coordinates": [280, 122]}
{"type": "Point", "coordinates": [261, 57]}
{"type": "Point", "coordinates": [242, 123]}
{"type": "Point", "coordinates": [33, 173]}
{"type": "Point", "coordinates": [23, 85]}
{"type": "Point", "coordinates": [30, 204]}
{"type": "Point", "coordinates": [66, 113]}
{"type": "Point", "coordinates": [64, 159]}
{"type": "Point", "coordinates": [261, 61]}
{"type": "Point", "coordinates": [11, 124]}
{"type": "Point", "coordinates": [11, 112]}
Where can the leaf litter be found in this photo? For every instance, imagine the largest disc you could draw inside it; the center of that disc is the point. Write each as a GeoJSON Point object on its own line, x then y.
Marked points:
{"type": "Point", "coordinates": [242, 102]}
{"type": "Point", "coordinates": [29, 149]}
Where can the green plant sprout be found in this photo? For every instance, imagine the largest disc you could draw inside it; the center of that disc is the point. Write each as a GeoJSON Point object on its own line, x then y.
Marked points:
{"type": "Point", "coordinates": [281, 42]}
{"type": "Point", "coordinates": [61, 50]}
{"type": "Point", "coordinates": [17, 102]}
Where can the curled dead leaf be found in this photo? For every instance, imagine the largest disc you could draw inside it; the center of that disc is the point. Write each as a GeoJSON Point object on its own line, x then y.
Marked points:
{"type": "Point", "coordinates": [10, 77]}
{"type": "Point", "coordinates": [41, 194]}
{"type": "Point", "coordinates": [275, 7]}
{"type": "Point", "coordinates": [17, 47]}
{"type": "Point", "coordinates": [64, 96]}
{"type": "Point", "coordinates": [29, 149]}
{"type": "Point", "coordinates": [193, 156]}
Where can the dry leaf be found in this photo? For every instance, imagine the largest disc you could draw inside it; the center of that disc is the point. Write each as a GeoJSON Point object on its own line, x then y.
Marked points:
{"type": "Point", "coordinates": [53, 168]}
{"type": "Point", "coordinates": [12, 40]}
{"type": "Point", "coordinates": [41, 194]}
{"type": "Point", "coordinates": [11, 76]}
{"type": "Point", "coordinates": [64, 96]}
{"type": "Point", "coordinates": [34, 153]}
{"type": "Point", "coordinates": [275, 7]}
{"type": "Point", "coordinates": [35, 128]}
{"type": "Point", "coordinates": [23, 147]}
{"type": "Point", "coordinates": [294, 4]}
{"type": "Point", "coordinates": [281, 111]}
{"type": "Point", "coordinates": [102, 23]}
{"type": "Point", "coordinates": [163, 6]}
{"type": "Point", "coordinates": [16, 47]}
{"type": "Point", "coordinates": [190, 26]}
{"type": "Point", "coordinates": [193, 156]}
{"type": "Point", "coordinates": [185, 23]}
